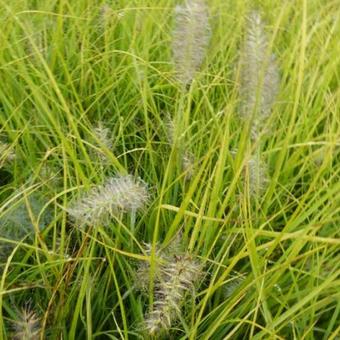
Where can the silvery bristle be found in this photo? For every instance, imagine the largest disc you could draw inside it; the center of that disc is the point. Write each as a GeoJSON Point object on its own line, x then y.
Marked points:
{"type": "Point", "coordinates": [190, 38]}
{"type": "Point", "coordinates": [259, 83]}
{"type": "Point", "coordinates": [117, 194]}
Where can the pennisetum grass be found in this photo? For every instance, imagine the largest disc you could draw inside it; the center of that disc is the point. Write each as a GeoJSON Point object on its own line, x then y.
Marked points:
{"type": "Point", "coordinates": [84, 85]}
{"type": "Point", "coordinates": [27, 326]}
{"type": "Point", "coordinates": [190, 38]}
{"type": "Point", "coordinates": [104, 140]}
{"type": "Point", "coordinates": [259, 79]}
{"type": "Point", "coordinates": [258, 176]}
{"type": "Point", "coordinates": [177, 273]}
{"type": "Point", "coordinates": [6, 154]}
{"type": "Point", "coordinates": [118, 194]}
{"type": "Point", "coordinates": [178, 278]}
{"type": "Point", "coordinates": [259, 86]}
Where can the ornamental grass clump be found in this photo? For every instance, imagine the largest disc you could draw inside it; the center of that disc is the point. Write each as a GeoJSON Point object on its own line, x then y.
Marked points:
{"type": "Point", "coordinates": [259, 78]}
{"type": "Point", "coordinates": [190, 39]}
{"type": "Point", "coordinates": [119, 194]}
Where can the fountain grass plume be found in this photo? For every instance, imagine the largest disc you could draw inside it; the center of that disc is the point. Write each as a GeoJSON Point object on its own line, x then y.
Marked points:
{"type": "Point", "coordinates": [259, 79]}
{"type": "Point", "coordinates": [27, 326]}
{"type": "Point", "coordinates": [258, 176]}
{"type": "Point", "coordinates": [16, 222]}
{"type": "Point", "coordinates": [119, 194]}
{"type": "Point", "coordinates": [190, 38]}
{"type": "Point", "coordinates": [175, 275]}
{"type": "Point", "coordinates": [179, 276]}
{"type": "Point", "coordinates": [103, 136]}
{"type": "Point", "coordinates": [6, 154]}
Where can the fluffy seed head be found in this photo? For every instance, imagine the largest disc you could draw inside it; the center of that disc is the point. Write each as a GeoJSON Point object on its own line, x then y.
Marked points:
{"type": "Point", "coordinates": [259, 76]}
{"type": "Point", "coordinates": [106, 11]}
{"type": "Point", "coordinates": [6, 154]}
{"type": "Point", "coordinates": [51, 174]}
{"type": "Point", "coordinates": [117, 194]}
{"type": "Point", "coordinates": [190, 38]}
{"type": "Point", "coordinates": [175, 275]}
{"type": "Point", "coordinates": [103, 135]}
{"type": "Point", "coordinates": [27, 327]}
{"type": "Point", "coordinates": [170, 129]}
{"type": "Point", "coordinates": [188, 164]}
{"type": "Point", "coordinates": [258, 176]}
{"type": "Point", "coordinates": [178, 277]}
{"type": "Point", "coordinates": [106, 15]}
{"type": "Point", "coordinates": [16, 222]}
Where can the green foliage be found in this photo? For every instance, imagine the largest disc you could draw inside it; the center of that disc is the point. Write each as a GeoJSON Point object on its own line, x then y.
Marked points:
{"type": "Point", "coordinates": [270, 261]}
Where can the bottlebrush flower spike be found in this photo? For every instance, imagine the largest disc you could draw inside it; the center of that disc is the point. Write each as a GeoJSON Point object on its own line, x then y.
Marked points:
{"type": "Point", "coordinates": [188, 161]}
{"type": "Point", "coordinates": [6, 154]}
{"type": "Point", "coordinates": [106, 13]}
{"type": "Point", "coordinates": [27, 327]}
{"type": "Point", "coordinates": [179, 276]}
{"type": "Point", "coordinates": [175, 275]}
{"type": "Point", "coordinates": [117, 194]}
{"type": "Point", "coordinates": [170, 129]}
{"type": "Point", "coordinates": [16, 222]}
{"type": "Point", "coordinates": [259, 83]}
{"type": "Point", "coordinates": [190, 38]}
{"type": "Point", "coordinates": [103, 135]}
{"type": "Point", "coordinates": [258, 176]}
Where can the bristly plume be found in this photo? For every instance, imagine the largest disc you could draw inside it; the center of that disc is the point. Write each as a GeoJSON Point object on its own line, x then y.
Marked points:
{"type": "Point", "coordinates": [179, 276]}
{"type": "Point", "coordinates": [104, 136]}
{"type": "Point", "coordinates": [259, 76]}
{"type": "Point", "coordinates": [170, 129]}
{"type": "Point", "coordinates": [188, 166]}
{"type": "Point", "coordinates": [51, 174]}
{"type": "Point", "coordinates": [106, 11]}
{"type": "Point", "coordinates": [27, 326]}
{"type": "Point", "coordinates": [117, 194]}
{"type": "Point", "coordinates": [190, 38]}
{"type": "Point", "coordinates": [258, 178]}
{"type": "Point", "coordinates": [105, 16]}
{"type": "Point", "coordinates": [175, 274]}
{"type": "Point", "coordinates": [6, 154]}
{"type": "Point", "coordinates": [16, 222]}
